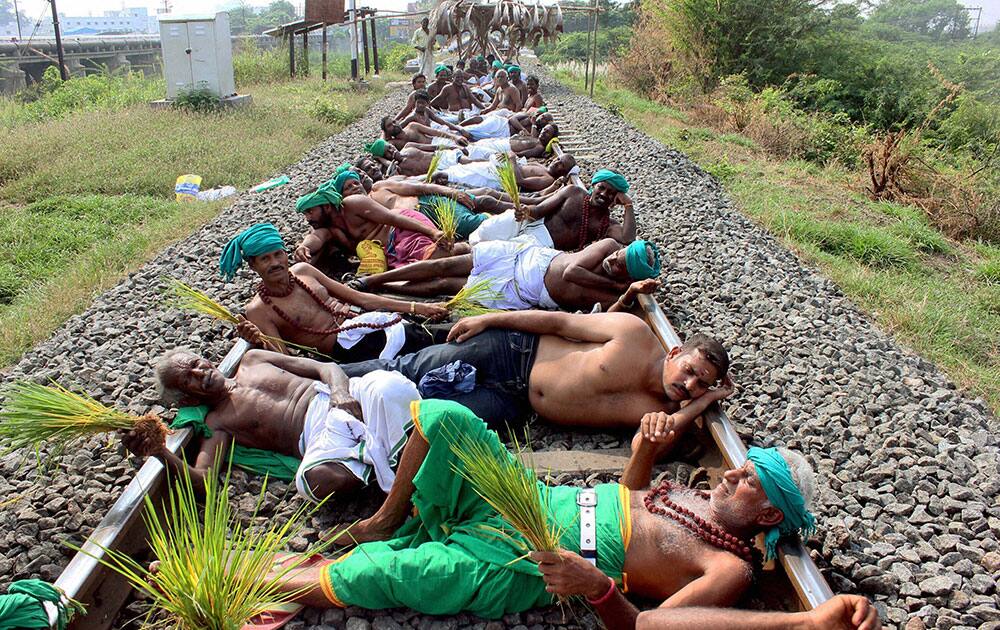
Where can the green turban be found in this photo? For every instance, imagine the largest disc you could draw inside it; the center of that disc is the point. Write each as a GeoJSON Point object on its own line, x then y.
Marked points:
{"type": "Point", "coordinates": [776, 479]}
{"type": "Point", "coordinates": [323, 195]}
{"type": "Point", "coordinates": [617, 181]}
{"type": "Point", "coordinates": [376, 148]}
{"type": "Point", "coordinates": [259, 239]}
{"type": "Point", "coordinates": [24, 605]}
{"type": "Point", "coordinates": [440, 68]}
{"type": "Point", "coordinates": [497, 64]}
{"type": "Point", "coordinates": [338, 181]}
{"type": "Point", "coordinates": [514, 68]}
{"type": "Point", "coordinates": [480, 58]}
{"type": "Point", "coordinates": [543, 109]}
{"type": "Point", "coordinates": [637, 262]}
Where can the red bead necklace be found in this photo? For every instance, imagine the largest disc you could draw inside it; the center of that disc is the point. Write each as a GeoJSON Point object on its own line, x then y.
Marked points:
{"type": "Point", "coordinates": [266, 296]}
{"type": "Point", "coordinates": [585, 226]}
{"type": "Point", "coordinates": [712, 534]}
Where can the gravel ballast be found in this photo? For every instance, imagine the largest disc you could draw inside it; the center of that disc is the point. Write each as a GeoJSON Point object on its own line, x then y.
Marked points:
{"type": "Point", "coordinates": [907, 465]}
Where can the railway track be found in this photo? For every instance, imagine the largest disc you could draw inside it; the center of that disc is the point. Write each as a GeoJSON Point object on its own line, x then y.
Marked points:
{"type": "Point", "coordinates": [794, 582]}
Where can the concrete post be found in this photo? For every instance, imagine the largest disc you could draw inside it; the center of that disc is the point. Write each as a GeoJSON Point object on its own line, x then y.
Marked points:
{"type": "Point", "coordinates": [76, 67]}
{"type": "Point", "coordinates": [11, 79]}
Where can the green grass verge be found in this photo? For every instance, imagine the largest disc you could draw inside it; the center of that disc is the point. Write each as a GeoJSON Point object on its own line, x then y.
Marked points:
{"type": "Point", "coordinates": [941, 298]}
{"type": "Point", "coordinates": [88, 196]}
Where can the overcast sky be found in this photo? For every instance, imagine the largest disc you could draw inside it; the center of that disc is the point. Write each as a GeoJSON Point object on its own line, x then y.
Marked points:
{"type": "Point", "coordinates": [33, 8]}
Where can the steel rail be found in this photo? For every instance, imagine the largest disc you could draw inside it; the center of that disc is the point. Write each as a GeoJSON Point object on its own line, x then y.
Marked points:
{"type": "Point", "coordinates": [83, 579]}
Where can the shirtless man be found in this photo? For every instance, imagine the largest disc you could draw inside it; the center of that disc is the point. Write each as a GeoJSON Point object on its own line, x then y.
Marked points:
{"type": "Point", "coordinates": [530, 177]}
{"type": "Point", "coordinates": [600, 370]}
{"type": "Point", "coordinates": [529, 276]}
{"type": "Point", "coordinates": [420, 196]}
{"type": "Point", "coordinates": [441, 77]}
{"type": "Point", "coordinates": [305, 307]}
{"type": "Point", "coordinates": [350, 216]}
{"type": "Point", "coordinates": [423, 114]}
{"type": "Point", "coordinates": [705, 539]}
{"type": "Point", "coordinates": [507, 96]}
{"type": "Point", "coordinates": [571, 218]}
{"type": "Point", "coordinates": [514, 75]}
{"type": "Point", "coordinates": [399, 136]}
{"type": "Point", "coordinates": [291, 406]}
{"type": "Point", "coordinates": [533, 99]}
{"type": "Point", "coordinates": [419, 83]}
{"type": "Point", "coordinates": [456, 96]}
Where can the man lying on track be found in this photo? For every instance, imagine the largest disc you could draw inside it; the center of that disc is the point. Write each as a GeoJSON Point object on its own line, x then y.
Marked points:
{"type": "Point", "coordinates": [342, 215]}
{"type": "Point", "coordinates": [524, 276]}
{"type": "Point", "coordinates": [344, 430]}
{"type": "Point", "coordinates": [447, 558]}
{"type": "Point", "coordinates": [530, 177]}
{"type": "Point", "coordinates": [601, 370]}
{"type": "Point", "coordinates": [399, 136]}
{"type": "Point", "coordinates": [397, 193]}
{"type": "Point", "coordinates": [425, 115]}
{"type": "Point", "coordinates": [305, 307]}
{"type": "Point", "coordinates": [571, 218]}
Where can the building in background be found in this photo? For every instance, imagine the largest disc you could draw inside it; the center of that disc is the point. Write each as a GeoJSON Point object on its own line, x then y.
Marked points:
{"type": "Point", "coordinates": [401, 28]}
{"type": "Point", "coordinates": [130, 20]}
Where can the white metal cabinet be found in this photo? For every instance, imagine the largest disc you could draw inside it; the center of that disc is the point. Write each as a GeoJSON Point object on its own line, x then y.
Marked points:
{"type": "Point", "coordinates": [197, 52]}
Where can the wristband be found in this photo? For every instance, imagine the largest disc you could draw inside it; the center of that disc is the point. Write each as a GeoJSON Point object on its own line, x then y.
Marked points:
{"type": "Point", "coordinates": [413, 307]}
{"type": "Point", "coordinates": [604, 598]}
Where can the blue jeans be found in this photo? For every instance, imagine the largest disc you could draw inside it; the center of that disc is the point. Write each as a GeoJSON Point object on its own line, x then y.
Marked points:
{"type": "Point", "coordinates": [502, 358]}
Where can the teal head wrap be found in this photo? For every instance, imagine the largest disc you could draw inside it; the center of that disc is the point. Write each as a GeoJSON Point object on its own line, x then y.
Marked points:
{"type": "Point", "coordinates": [341, 178]}
{"type": "Point", "coordinates": [604, 175]}
{"type": "Point", "coordinates": [514, 68]}
{"type": "Point", "coordinates": [543, 109]}
{"type": "Point", "coordinates": [322, 196]}
{"type": "Point", "coordinates": [440, 68]}
{"type": "Point", "coordinates": [24, 606]}
{"type": "Point", "coordinates": [253, 241]}
{"type": "Point", "coordinates": [480, 58]}
{"type": "Point", "coordinates": [637, 262]}
{"type": "Point", "coordinates": [376, 148]}
{"type": "Point", "coordinates": [776, 479]}
{"type": "Point", "coordinates": [497, 64]}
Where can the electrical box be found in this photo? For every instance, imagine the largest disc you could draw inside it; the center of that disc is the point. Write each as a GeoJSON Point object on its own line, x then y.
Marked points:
{"type": "Point", "coordinates": [326, 11]}
{"type": "Point", "coordinates": [197, 53]}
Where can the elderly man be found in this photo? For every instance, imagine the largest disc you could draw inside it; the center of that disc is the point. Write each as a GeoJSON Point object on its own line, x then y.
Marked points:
{"type": "Point", "coordinates": [280, 410]}
{"type": "Point", "coordinates": [635, 531]}
{"type": "Point", "coordinates": [522, 275]}
{"type": "Point", "coordinates": [569, 219]}
{"type": "Point", "coordinates": [303, 306]}
{"type": "Point", "coordinates": [598, 370]}
{"type": "Point", "coordinates": [342, 215]}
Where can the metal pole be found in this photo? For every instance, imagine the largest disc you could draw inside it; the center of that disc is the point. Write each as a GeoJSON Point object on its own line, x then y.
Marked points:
{"type": "Point", "coordinates": [17, 16]}
{"type": "Point", "coordinates": [586, 66]}
{"type": "Point", "coordinates": [593, 78]}
{"type": "Point", "coordinates": [354, 40]}
{"type": "Point", "coordinates": [59, 48]}
{"type": "Point", "coordinates": [305, 53]}
{"type": "Point", "coordinates": [324, 51]}
{"type": "Point", "coordinates": [291, 55]}
{"type": "Point", "coordinates": [375, 46]}
{"type": "Point", "coordinates": [364, 44]}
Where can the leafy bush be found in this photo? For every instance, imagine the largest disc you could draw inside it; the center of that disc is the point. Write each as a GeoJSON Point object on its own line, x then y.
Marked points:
{"type": "Point", "coordinates": [253, 64]}
{"type": "Point", "coordinates": [200, 99]}
{"type": "Point", "coordinates": [328, 109]}
{"type": "Point", "coordinates": [573, 46]}
{"type": "Point", "coordinates": [396, 56]}
{"type": "Point", "coordinates": [53, 98]}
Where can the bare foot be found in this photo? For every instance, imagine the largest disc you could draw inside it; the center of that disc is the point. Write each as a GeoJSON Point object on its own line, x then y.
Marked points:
{"type": "Point", "coordinates": [367, 530]}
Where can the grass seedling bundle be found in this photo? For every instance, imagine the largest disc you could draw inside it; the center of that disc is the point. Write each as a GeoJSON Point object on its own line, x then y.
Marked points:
{"type": "Point", "coordinates": [35, 414]}
{"type": "Point", "coordinates": [213, 572]}
{"type": "Point", "coordinates": [508, 181]}
{"type": "Point", "coordinates": [471, 300]}
{"type": "Point", "coordinates": [446, 213]}
{"type": "Point", "coordinates": [432, 168]}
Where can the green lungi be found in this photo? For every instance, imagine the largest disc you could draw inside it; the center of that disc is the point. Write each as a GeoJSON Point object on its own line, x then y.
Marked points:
{"type": "Point", "coordinates": [444, 561]}
{"type": "Point", "coordinates": [467, 222]}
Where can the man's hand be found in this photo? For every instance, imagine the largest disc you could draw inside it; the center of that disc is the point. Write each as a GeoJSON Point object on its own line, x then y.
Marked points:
{"type": "Point", "coordinates": [302, 254]}
{"type": "Point", "coordinates": [521, 213]}
{"type": "Point", "coordinates": [436, 311]}
{"type": "Point", "coordinates": [642, 287]}
{"type": "Point", "coordinates": [346, 403]}
{"type": "Point", "coordinates": [845, 612]}
{"type": "Point", "coordinates": [461, 141]}
{"type": "Point", "coordinates": [725, 389]}
{"type": "Point", "coordinates": [658, 427]}
{"type": "Point", "coordinates": [249, 331]}
{"type": "Point", "coordinates": [441, 241]}
{"type": "Point", "coordinates": [567, 574]}
{"type": "Point", "coordinates": [144, 445]}
{"type": "Point", "coordinates": [621, 199]}
{"type": "Point", "coordinates": [465, 133]}
{"type": "Point", "coordinates": [468, 327]}
{"type": "Point", "coordinates": [465, 199]}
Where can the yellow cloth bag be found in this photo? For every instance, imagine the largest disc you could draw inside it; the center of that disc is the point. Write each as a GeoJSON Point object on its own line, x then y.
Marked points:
{"type": "Point", "coordinates": [372, 258]}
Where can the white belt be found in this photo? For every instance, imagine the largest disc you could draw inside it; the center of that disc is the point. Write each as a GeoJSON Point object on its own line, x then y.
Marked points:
{"type": "Point", "coordinates": [587, 500]}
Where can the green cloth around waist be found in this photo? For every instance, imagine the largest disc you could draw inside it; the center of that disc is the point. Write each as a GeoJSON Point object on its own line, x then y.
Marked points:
{"type": "Point", "coordinates": [24, 606]}
{"type": "Point", "coordinates": [255, 460]}
{"type": "Point", "coordinates": [449, 558]}
{"type": "Point", "coordinates": [468, 220]}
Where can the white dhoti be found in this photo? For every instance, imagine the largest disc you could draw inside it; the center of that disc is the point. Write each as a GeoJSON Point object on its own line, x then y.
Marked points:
{"type": "Point", "coordinates": [504, 227]}
{"type": "Point", "coordinates": [372, 444]}
{"type": "Point", "coordinates": [395, 335]}
{"type": "Point", "coordinates": [476, 175]}
{"type": "Point", "coordinates": [516, 271]}
{"type": "Point", "coordinates": [441, 141]}
{"type": "Point", "coordinates": [485, 149]}
{"type": "Point", "coordinates": [449, 158]}
{"type": "Point", "coordinates": [492, 126]}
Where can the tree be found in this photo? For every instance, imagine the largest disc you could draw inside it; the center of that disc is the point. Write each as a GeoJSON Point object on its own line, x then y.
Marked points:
{"type": "Point", "coordinates": [934, 19]}
{"type": "Point", "coordinates": [7, 15]}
